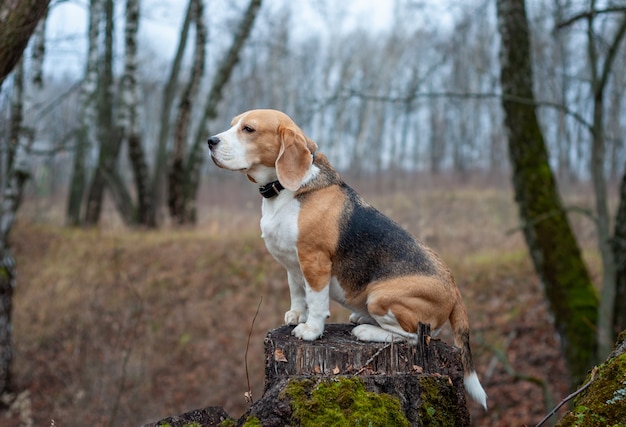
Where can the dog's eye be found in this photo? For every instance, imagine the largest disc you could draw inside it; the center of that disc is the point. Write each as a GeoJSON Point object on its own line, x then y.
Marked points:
{"type": "Point", "coordinates": [248, 129]}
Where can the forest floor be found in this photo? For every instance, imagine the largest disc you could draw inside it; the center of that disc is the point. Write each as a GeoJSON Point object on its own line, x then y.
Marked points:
{"type": "Point", "coordinates": [117, 327]}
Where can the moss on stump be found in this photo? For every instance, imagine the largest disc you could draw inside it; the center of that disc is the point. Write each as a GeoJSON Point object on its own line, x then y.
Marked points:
{"type": "Point", "coordinates": [603, 403]}
{"type": "Point", "coordinates": [341, 401]}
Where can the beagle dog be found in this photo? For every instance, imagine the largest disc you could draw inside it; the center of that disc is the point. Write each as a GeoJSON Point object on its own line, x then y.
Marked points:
{"type": "Point", "coordinates": [334, 245]}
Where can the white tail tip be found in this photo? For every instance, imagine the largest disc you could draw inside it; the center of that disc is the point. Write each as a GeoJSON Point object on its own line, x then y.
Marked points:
{"type": "Point", "coordinates": [475, 390]}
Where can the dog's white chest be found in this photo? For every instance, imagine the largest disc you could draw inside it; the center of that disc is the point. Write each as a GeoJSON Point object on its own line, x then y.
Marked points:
{"type": "Point", "coordinates": [279, 227]}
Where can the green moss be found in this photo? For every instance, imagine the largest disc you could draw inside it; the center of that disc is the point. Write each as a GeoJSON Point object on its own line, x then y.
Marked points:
{"type": "Point", "coordinates": [438, 402]}
{"type": "Point", "coordinates": [341, 401]}
{"type": "Point", "coordinates": [228, 423]}
{"type": "Point", "coordinates": [186, 425]}
{"type": "Point", "coordinates": [604, 402]}
{"type": "Point", "coordinates": [252, 422]}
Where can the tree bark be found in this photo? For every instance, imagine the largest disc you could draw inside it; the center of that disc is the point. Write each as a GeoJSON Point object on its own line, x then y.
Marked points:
{"type": "Point", "coordinates": [160, 163]}
{"type": "Point", "coordinates": [18, 20]}
{"type": "Point", "coordinates": [109, 144]}
{"type": "Point", "coordinates": [551, 243]}
{"type": "Point", "coordinates": [39, 51]}
{"type": "Point", "coordinates": [18, 173]}
{"type": "Point", "coordinates": [87, 136]}
{"type": "Point", "coordinates": [619, 253]}
{"type": "Point", "coordinates": [128, 120]}
{"type": "Point", "coordinates": [224, 72]}
{"type": "Point", "coordinates": [599, 80]}
{"type": "Point", "coordinates": [181, 130]}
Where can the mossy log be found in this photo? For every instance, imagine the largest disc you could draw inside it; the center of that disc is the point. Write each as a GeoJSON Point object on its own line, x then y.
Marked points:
{"type": "Point", "coordinates": [603, 400]}
{"type": "Point", "coordinates": [338, 380]}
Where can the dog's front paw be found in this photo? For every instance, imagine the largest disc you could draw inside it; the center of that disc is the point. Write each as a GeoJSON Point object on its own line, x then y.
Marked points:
{"type": "Point", "coordinates": [307, 332]}
{"type": "Point", "coordinates": [294, 317]}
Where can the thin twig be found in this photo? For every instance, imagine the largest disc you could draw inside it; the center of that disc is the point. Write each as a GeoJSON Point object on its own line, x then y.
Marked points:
{"type": "Point", "coordinates": [500, 355]}
{"type": "Point", "coordinates": [248, 394]}
{"type": "Point", "coordinates": [371, 359]}
{"type": "Point", "coordinates": [551, 214]}
{"type": "Point", "coordinates": [594, 371]}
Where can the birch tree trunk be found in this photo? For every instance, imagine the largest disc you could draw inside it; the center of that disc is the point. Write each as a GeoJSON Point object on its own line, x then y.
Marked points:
{"type": "Point", "coordinates": [18, 171]}
{"type": "Point", "coordinates": [196, 154]}
{"type": "Point", "coordinates": [109, 144]}
{"type": "Point", "coordinates": [128, 119]}
{"type": "Point", "coordinates": [169, 93]}
{"type": "Point", "coordinates": [87, 135]}
{"type": "Point", "coordinates": [551, 243]}
{"type": "Point", "coordinates": [181, 130]}
{"type": "Point", "coordinates": [18, 20]}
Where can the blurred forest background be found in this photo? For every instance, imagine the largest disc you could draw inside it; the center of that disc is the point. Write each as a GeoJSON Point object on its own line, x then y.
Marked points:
{"type": "Point", "coordinates": [139, 265]}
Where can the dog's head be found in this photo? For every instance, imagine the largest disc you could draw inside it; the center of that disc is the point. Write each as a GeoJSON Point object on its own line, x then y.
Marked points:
{"type": "Point", "coordinates": [265, 145]}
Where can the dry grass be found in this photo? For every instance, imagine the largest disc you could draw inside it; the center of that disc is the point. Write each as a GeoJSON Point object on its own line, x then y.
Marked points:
{"type": "Point", "coordinates": [115, 327]}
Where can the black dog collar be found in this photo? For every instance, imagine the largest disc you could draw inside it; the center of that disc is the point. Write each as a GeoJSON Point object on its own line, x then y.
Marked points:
{"type": "Point", "coordinates": [271, 190]}
{"type": "Point", "coordinates": [274, 188]}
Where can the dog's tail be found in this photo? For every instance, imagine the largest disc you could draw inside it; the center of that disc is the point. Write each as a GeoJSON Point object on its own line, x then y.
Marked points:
{"type": "Point", "coordinates": [460, 326]}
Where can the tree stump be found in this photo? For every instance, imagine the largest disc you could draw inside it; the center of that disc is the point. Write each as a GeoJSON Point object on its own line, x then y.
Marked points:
{"type": "Point", "coordinates": [338, 380]}
{"type": "Point", "coordinates": [426, 379]}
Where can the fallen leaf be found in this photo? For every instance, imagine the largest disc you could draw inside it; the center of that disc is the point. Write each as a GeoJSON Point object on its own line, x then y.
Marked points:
{"type": "Point", "coordinates": [336, 370]}
{"type": "Point", "coordinates": [279, 356]}
{"type": "Point", "coordinates": [418, 369]}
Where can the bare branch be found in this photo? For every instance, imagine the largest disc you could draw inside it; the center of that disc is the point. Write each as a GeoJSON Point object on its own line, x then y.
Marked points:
{"type": "Point", "coordinates": [568, 398]}
{"type": "Point", "coordinates": [457, 95]}
{"type": "Point", "coordinates": [589, 14]}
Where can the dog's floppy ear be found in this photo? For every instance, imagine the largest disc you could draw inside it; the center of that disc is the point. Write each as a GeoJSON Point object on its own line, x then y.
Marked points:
{"type": "Point", "coordinates": [294, 157]}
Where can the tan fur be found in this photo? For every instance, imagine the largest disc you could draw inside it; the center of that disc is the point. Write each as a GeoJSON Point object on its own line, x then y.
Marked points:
{"type": "Point", "coordinates": [318, 234]}
{"type": "Point", "coordinates": [412, 299]}
{"type": "Point", "coordinates": [294, 157]}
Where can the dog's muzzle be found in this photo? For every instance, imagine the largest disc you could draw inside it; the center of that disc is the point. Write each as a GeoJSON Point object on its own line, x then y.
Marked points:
{"type": "Point", "coordinates": [213, 141]}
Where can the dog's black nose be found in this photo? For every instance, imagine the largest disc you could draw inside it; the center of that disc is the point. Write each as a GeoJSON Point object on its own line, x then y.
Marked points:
{"type": "Point", "coordinates": [213, 141]}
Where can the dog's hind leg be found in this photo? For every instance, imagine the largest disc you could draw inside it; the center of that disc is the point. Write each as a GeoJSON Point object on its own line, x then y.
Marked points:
{"type": "Point", "coordinates": [374, 333]}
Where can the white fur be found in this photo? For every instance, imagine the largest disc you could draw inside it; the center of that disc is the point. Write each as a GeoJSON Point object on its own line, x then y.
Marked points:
{"type": "Point", "coordinates": [374, 333]}
{"type": "Point", "coordinates": [385, 329]}
{"type": "Point", "coordinates": [475, 390]}
{"type": "Point", "coordinates": [230, 153]}
{"type": "Point", "coordinates": [279, 226]}
{"type": "Point", "coordinates": [319, 309]}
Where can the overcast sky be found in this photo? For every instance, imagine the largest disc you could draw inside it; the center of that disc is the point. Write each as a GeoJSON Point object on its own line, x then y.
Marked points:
{"type": "Point", "coordinates": [161, 21]}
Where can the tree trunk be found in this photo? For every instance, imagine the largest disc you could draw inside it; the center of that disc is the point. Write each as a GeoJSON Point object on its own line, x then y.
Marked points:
{"type": "Point", "coordinates": [18, 20]}
{"type": "Point", "coordinates": [196, 154]}
{"type": "Point", "coordinates": [160, 163]}
{"type": "Point", "coordinates": [39, 51]}
{"type": "Point", "coordinates": [599, 81]}
{"type": "Point", "coordinates": [551, 243]}
{"type": "Point", "coordinates": [619, 253]}
{"type": "Point", "coordinates": [181, 130]}
{"type": "Point", "coordinates": [128, 120]}
{"type": "Point", "coordinates": [18, 173]}
{"type": "Point", "coordinates": [87, 136]}
{"type": "Point", "coordinates": [109, 145]}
